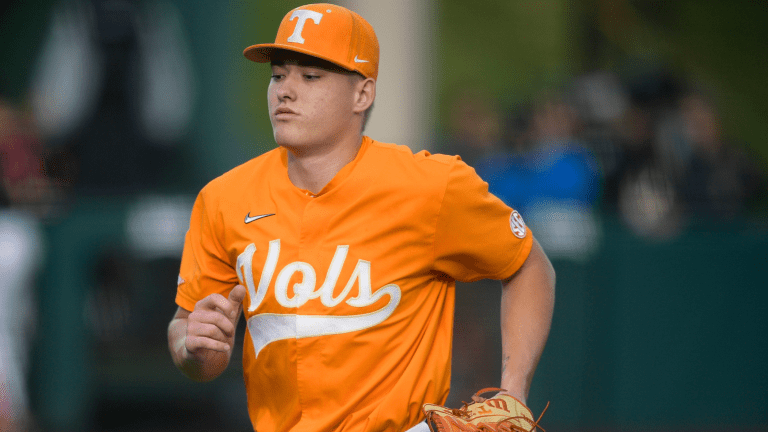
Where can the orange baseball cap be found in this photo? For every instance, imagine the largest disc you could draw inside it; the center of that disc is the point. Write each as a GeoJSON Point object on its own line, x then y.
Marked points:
{"type": "Point", "coordinates": [328, 32]}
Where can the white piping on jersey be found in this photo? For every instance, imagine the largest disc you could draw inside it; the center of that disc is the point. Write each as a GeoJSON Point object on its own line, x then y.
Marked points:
{"type": "Point", "coordinates": [268, 327]}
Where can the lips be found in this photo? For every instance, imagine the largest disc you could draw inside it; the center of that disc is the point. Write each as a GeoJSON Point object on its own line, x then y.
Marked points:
{"type": "Point", "coordinates": [284, 112]}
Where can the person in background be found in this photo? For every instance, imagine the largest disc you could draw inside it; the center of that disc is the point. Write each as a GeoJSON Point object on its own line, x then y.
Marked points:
{"type": "Point", "coordinates": [552, 177]}
{"type": "Point", "coordinates": [720, 180]}
{"type": "Point", "coordinates": [24, 195]}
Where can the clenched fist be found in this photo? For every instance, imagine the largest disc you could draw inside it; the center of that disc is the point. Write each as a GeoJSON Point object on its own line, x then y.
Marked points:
{"type": "Point", "coordinates": [211, 326]}
{"type": "Point", "coordinates": [201, 341]}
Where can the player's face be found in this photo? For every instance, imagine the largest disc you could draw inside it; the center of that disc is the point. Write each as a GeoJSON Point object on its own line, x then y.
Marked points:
{"type": "Point", "coordinates": [311, 103]}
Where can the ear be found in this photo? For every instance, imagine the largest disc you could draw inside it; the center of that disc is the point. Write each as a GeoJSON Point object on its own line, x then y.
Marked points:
{"type": "Point", "coordinates": [365, 93]}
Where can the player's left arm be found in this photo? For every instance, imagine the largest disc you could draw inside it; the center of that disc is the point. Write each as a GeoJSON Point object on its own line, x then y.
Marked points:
{"type": "Point", "coordinates": [527, 302]}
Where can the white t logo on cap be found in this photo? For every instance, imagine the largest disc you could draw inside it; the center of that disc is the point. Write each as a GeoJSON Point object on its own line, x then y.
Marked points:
{"type": "Point", "coordinates": [303, 15]}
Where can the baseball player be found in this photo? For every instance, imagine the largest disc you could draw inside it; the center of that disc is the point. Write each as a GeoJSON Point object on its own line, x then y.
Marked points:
{"type": "Point", "coordinates": [342, 253]}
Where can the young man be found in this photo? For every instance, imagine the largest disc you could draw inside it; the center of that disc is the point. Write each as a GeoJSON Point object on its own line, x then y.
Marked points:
{"type": "Point", "coordinates": [342, 253]}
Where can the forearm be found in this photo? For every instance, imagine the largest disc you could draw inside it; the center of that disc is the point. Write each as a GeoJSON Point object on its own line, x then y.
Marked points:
{"type": "Point", "coordinates": [527, 302]}
{"type": "Point", "coordinates": [205, 367]}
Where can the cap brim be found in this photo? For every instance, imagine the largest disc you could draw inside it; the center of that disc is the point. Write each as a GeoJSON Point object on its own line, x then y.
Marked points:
{"type": "Point", "coordinates": [262, 53]}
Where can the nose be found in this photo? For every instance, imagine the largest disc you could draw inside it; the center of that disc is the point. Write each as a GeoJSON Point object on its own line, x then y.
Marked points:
{"type": "Point", "coordinates": [286, 88]}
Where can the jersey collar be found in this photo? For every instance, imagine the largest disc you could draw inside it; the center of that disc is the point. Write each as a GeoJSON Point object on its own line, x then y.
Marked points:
{"type": "Point", "coordinates": [340, 176]}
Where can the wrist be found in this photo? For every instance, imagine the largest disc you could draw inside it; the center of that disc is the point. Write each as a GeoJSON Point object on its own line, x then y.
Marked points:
{"type": "Point", "coordinates": [515, 387]}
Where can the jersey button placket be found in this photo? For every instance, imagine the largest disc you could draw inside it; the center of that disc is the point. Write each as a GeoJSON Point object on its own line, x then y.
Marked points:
{"type": "Point", "coordinates": [314, 225]}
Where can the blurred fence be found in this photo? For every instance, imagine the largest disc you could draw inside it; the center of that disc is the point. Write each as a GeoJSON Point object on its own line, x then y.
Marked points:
{"type": "Point", "coordinates": [647, 335]}
{"type": "Point", "coordinates": [662, 336]}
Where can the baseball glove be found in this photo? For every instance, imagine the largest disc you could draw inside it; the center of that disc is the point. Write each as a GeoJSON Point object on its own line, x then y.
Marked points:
{"type": "Point", "coordinates": [501, 413]}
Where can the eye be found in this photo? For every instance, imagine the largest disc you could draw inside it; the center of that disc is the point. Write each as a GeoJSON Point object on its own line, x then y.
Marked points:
{"type": "Point", "coordinates": [311, 77]}
{"type": "Point", "coordinates": [276, 76]}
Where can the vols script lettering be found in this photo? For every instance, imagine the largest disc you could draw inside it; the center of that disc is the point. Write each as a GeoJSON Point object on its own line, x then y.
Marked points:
{"type": "Point", "coordinates": [266, 328]}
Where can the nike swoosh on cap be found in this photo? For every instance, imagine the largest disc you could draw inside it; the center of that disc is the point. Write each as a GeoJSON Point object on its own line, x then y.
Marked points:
{"type": "Point", "coordinates": [249, 218]}
{"type": "Point", "coordinates": [357, 60]}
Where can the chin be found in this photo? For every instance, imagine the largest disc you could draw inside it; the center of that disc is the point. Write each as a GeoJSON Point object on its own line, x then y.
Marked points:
{"type": "Point", "coordinates": [290, 138]}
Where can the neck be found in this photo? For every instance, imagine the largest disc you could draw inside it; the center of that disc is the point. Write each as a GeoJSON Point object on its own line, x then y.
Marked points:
{"type": "Point", "coordinates": [314, 167]}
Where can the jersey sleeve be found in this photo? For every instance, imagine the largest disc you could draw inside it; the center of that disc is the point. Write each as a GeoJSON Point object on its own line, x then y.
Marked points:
{"type": "Point", "coordinates": [477, 236]}
{"type": "Point", "coordinates": [205, 268]}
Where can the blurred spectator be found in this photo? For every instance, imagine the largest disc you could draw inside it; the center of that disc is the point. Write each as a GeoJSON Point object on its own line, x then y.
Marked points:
{"type": "Point", "coordinates": [643, 188]}
{"type": "Point", "coordinates": [25, 184]}
{"type": "Point", "coordinates": [634, 142]}
{"type": "Point", "coordinates": [674, 164]}
{"type": "Point", "coordinates": [553, 180]}
{"type": "Point", "coordinates": [602, 101]}
{"type": "Point", "coordinates": [112, 97]}
{"type": "Point", "coordinates": [649, 202]}
{"type": "Point", "coordinates": [476, 127]}
{"type": "Point", "coordinates": [720, 180]}
{"type": "Point", "coordinates": [622, 119]}
{"type": "Point", "coordinates": [113, 94]}
{"type": "Point", "coordinates": [24, 190]}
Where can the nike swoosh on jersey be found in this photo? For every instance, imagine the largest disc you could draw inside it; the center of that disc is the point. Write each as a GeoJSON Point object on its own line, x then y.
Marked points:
{"type": "Point", "coordinates": [268, 327]}
{"type": "Point", "coordinates": [249, 218]}
{"type": "Point", "coordinates": [357, 60]}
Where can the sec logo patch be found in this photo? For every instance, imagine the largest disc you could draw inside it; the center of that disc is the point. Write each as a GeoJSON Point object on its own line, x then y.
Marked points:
{"type": "Point", "coordinates": [517, 224]}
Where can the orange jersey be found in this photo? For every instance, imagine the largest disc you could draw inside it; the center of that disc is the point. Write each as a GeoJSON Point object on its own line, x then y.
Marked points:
{"type": "Point", "coordinates": [350, 293]}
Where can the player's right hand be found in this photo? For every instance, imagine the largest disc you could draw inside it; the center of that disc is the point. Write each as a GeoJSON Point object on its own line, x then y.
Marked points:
{"type": "Point", "coordinates": [211, 325]}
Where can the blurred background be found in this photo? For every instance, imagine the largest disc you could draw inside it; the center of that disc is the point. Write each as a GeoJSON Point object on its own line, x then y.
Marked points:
{"type": "Point", "coordinates": [631, 135]}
